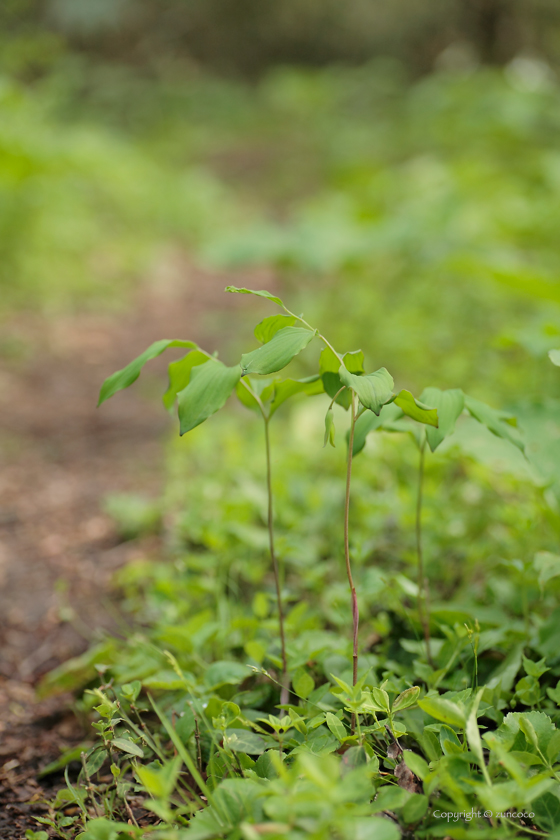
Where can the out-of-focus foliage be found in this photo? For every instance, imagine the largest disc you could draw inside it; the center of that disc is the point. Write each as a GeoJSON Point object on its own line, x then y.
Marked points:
{"type": "Point", "coordinates": [249, 36]}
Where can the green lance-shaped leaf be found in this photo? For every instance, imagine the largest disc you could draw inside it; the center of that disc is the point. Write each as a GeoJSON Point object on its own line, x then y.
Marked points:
{"type": "Point", "coordinates": [209, 387]}
{"type": "Point", "coordinates": [390, 419]}
{"type": "Point", "coordinates": [268, 327]}
{"type": "Point", "coordinates": [278, 352]}
{"type": "Point", "coordinates": [498, 422]}
{"type": "Point", "coordinates": [329, 427]}
{"type": "Point", "coordinates": [373, 389]}
{"type": "Point", "coordinates": [261, 293]}
{"type": "Point", "coordinates": [554, 356]}
{"type": "Point", "coordinates": [415, 409]}
{"type": "Point", "coordinates": [123, 378]}
{"type": "Point", "coordinates": [449, 405]}
{"type": "Point", "coordinates": [179, 375]}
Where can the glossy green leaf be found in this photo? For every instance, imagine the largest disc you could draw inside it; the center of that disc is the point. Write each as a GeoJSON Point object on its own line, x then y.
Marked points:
{"type": "Point", "coordinates": [286, 388]}
{"type": "Point", "coordinates": [278, 352]}
{"type": "Point", "coordinates": [126, 746]}
{"type": "Point", "coordinates": [269, 326]}
{"type": "Point", "coordinates": [498, 422]}
{"type": "Point", "coordinates": [554, 356]}
{"type": "Point", "coordinates": [373, 389]}
{"type": "Point", "coordinates": [390, 419]}
{"type": "Point", "coordinates": [415, 409]}
{"type": "Point", "coordinates": [329, 428]}
{"type": "Point", "coordinates": [444, 710]}
{"type": "Point", "coordinates": [261, 293]}
{"type": "Point", "coordinates": [179, 375]}
{"type": "Point", "coordinates": [125, 377]}
{"type": "Point", "coordinates": [449, 405]}
{"type": "Point", "coordinates": [241, 740]}
{"type": "Point", "coordinates": [209, 387]}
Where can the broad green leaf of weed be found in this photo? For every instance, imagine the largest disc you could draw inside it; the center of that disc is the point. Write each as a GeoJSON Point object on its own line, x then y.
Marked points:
{"type": "Point", "coordinates": [123, 378]}
{"type": "Point", "coordinates": [449, 405]}
{"type": "Point", "coordinates": [415, 409]}
{"type": "Point", "coordinates": [373, 389]}
{"type": "Point", "coordinates": [209, 387]}
{"type": "Point", "coordinates": [278, 352]}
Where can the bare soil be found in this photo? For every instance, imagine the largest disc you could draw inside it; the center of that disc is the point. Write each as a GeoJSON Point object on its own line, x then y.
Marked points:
{"type": "Point", "coordinates": [59, 458]}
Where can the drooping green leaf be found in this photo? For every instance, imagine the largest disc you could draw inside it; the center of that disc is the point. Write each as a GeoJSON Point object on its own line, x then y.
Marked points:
{"type": "Point", "coordinates": [241, 740]}
{"type": "Point", "coordinates": [179, 375]}
{"type": "Point", "coordinates": [278, 352]}
{"type": "Point", "coordinates": [390, 419]}
{"type": "Point", "coordinates": [65, 759]}
{"type": "Point", "coordinates": [373, 389]}
{"type": "Point", "coordinates": [329, 428]}
{"type": "Point", "coordinates": [498, 422]}
{"type": "Point", "coordinates": [286, 388]}
{"type": "Point", "coordinates": [415, 409]}
{"type": "Point", "coordinates": [261, 293]}
{"type": "Point", "coordinates": [125, 377]}
{"type": "Point", "coordinates": [449, 405]}
{"type": "Point", "coordinates": [329, 365]}
{"type": "Point", "coordinates": [472, 731]}
{"type": "Point", "coordinates": [554, 356]}
{"type": "Point", "coordinates": [444, 710]}
{"type": "Point", "coordinates": [354, 361]}
{"type": "Point", "coordinates": [269, 326]}
{"type": "Point", "coordinates": [209, 387]}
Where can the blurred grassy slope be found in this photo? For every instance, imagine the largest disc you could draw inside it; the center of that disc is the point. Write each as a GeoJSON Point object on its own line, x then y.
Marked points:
{"type": "Point", "coordinates": [424, 216]}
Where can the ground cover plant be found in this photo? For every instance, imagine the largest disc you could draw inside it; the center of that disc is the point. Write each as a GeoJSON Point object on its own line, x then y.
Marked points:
{"type": "Point", "coordinates": [433, 717]}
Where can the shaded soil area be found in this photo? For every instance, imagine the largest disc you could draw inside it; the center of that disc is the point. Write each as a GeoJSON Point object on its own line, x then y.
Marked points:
{"type": "Point", "coordinates": [59, 458]}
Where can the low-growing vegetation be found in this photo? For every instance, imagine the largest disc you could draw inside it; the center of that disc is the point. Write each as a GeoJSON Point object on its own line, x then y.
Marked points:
{"type": "Point", "coordinates": [336, 646]}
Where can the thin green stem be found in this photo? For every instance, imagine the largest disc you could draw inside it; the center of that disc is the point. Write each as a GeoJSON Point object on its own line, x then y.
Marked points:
{"type": "Point", "coordinates": [285, 693]}
{"type": "Point", "coordinates": [322, 337]}
{"type": "Point", "coordinates": [423, 607]}
{"type": "Point", "coordinates": [354, 599]}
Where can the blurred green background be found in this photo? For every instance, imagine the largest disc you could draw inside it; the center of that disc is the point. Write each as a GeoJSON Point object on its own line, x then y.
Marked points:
{"type": "Point", "coordinates": [396, 165]}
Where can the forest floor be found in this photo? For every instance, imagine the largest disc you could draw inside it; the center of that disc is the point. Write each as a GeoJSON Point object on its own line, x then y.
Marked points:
{"type": "Point", "coordinates": [59, 458]}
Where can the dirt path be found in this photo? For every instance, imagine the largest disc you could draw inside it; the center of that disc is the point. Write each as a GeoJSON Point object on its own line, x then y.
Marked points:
{"type": "Point", "coordinates": [59, 457]}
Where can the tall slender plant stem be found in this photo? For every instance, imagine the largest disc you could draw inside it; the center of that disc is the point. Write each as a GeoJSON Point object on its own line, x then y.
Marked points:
{"type": "Point", "coordinates": [423, 591]}
{"type": "Point", "coordinates": [285, 692]}
{"type": "Point", "coordinates": [355, 612]}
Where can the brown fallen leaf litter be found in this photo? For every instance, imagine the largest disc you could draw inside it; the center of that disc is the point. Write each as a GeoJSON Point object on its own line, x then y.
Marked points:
{"type": "Point", "coordinates": [59, 457]}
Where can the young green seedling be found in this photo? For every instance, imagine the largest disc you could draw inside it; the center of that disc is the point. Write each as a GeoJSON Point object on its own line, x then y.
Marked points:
{"type": "Point", "coordinates": [201, 385]}
{"type": "Point", "coordinates": [345, 380]}
{"type": "Point", "coordinates": [266, 397]}
{"type": "Point", "coordinates": [449, 405]}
